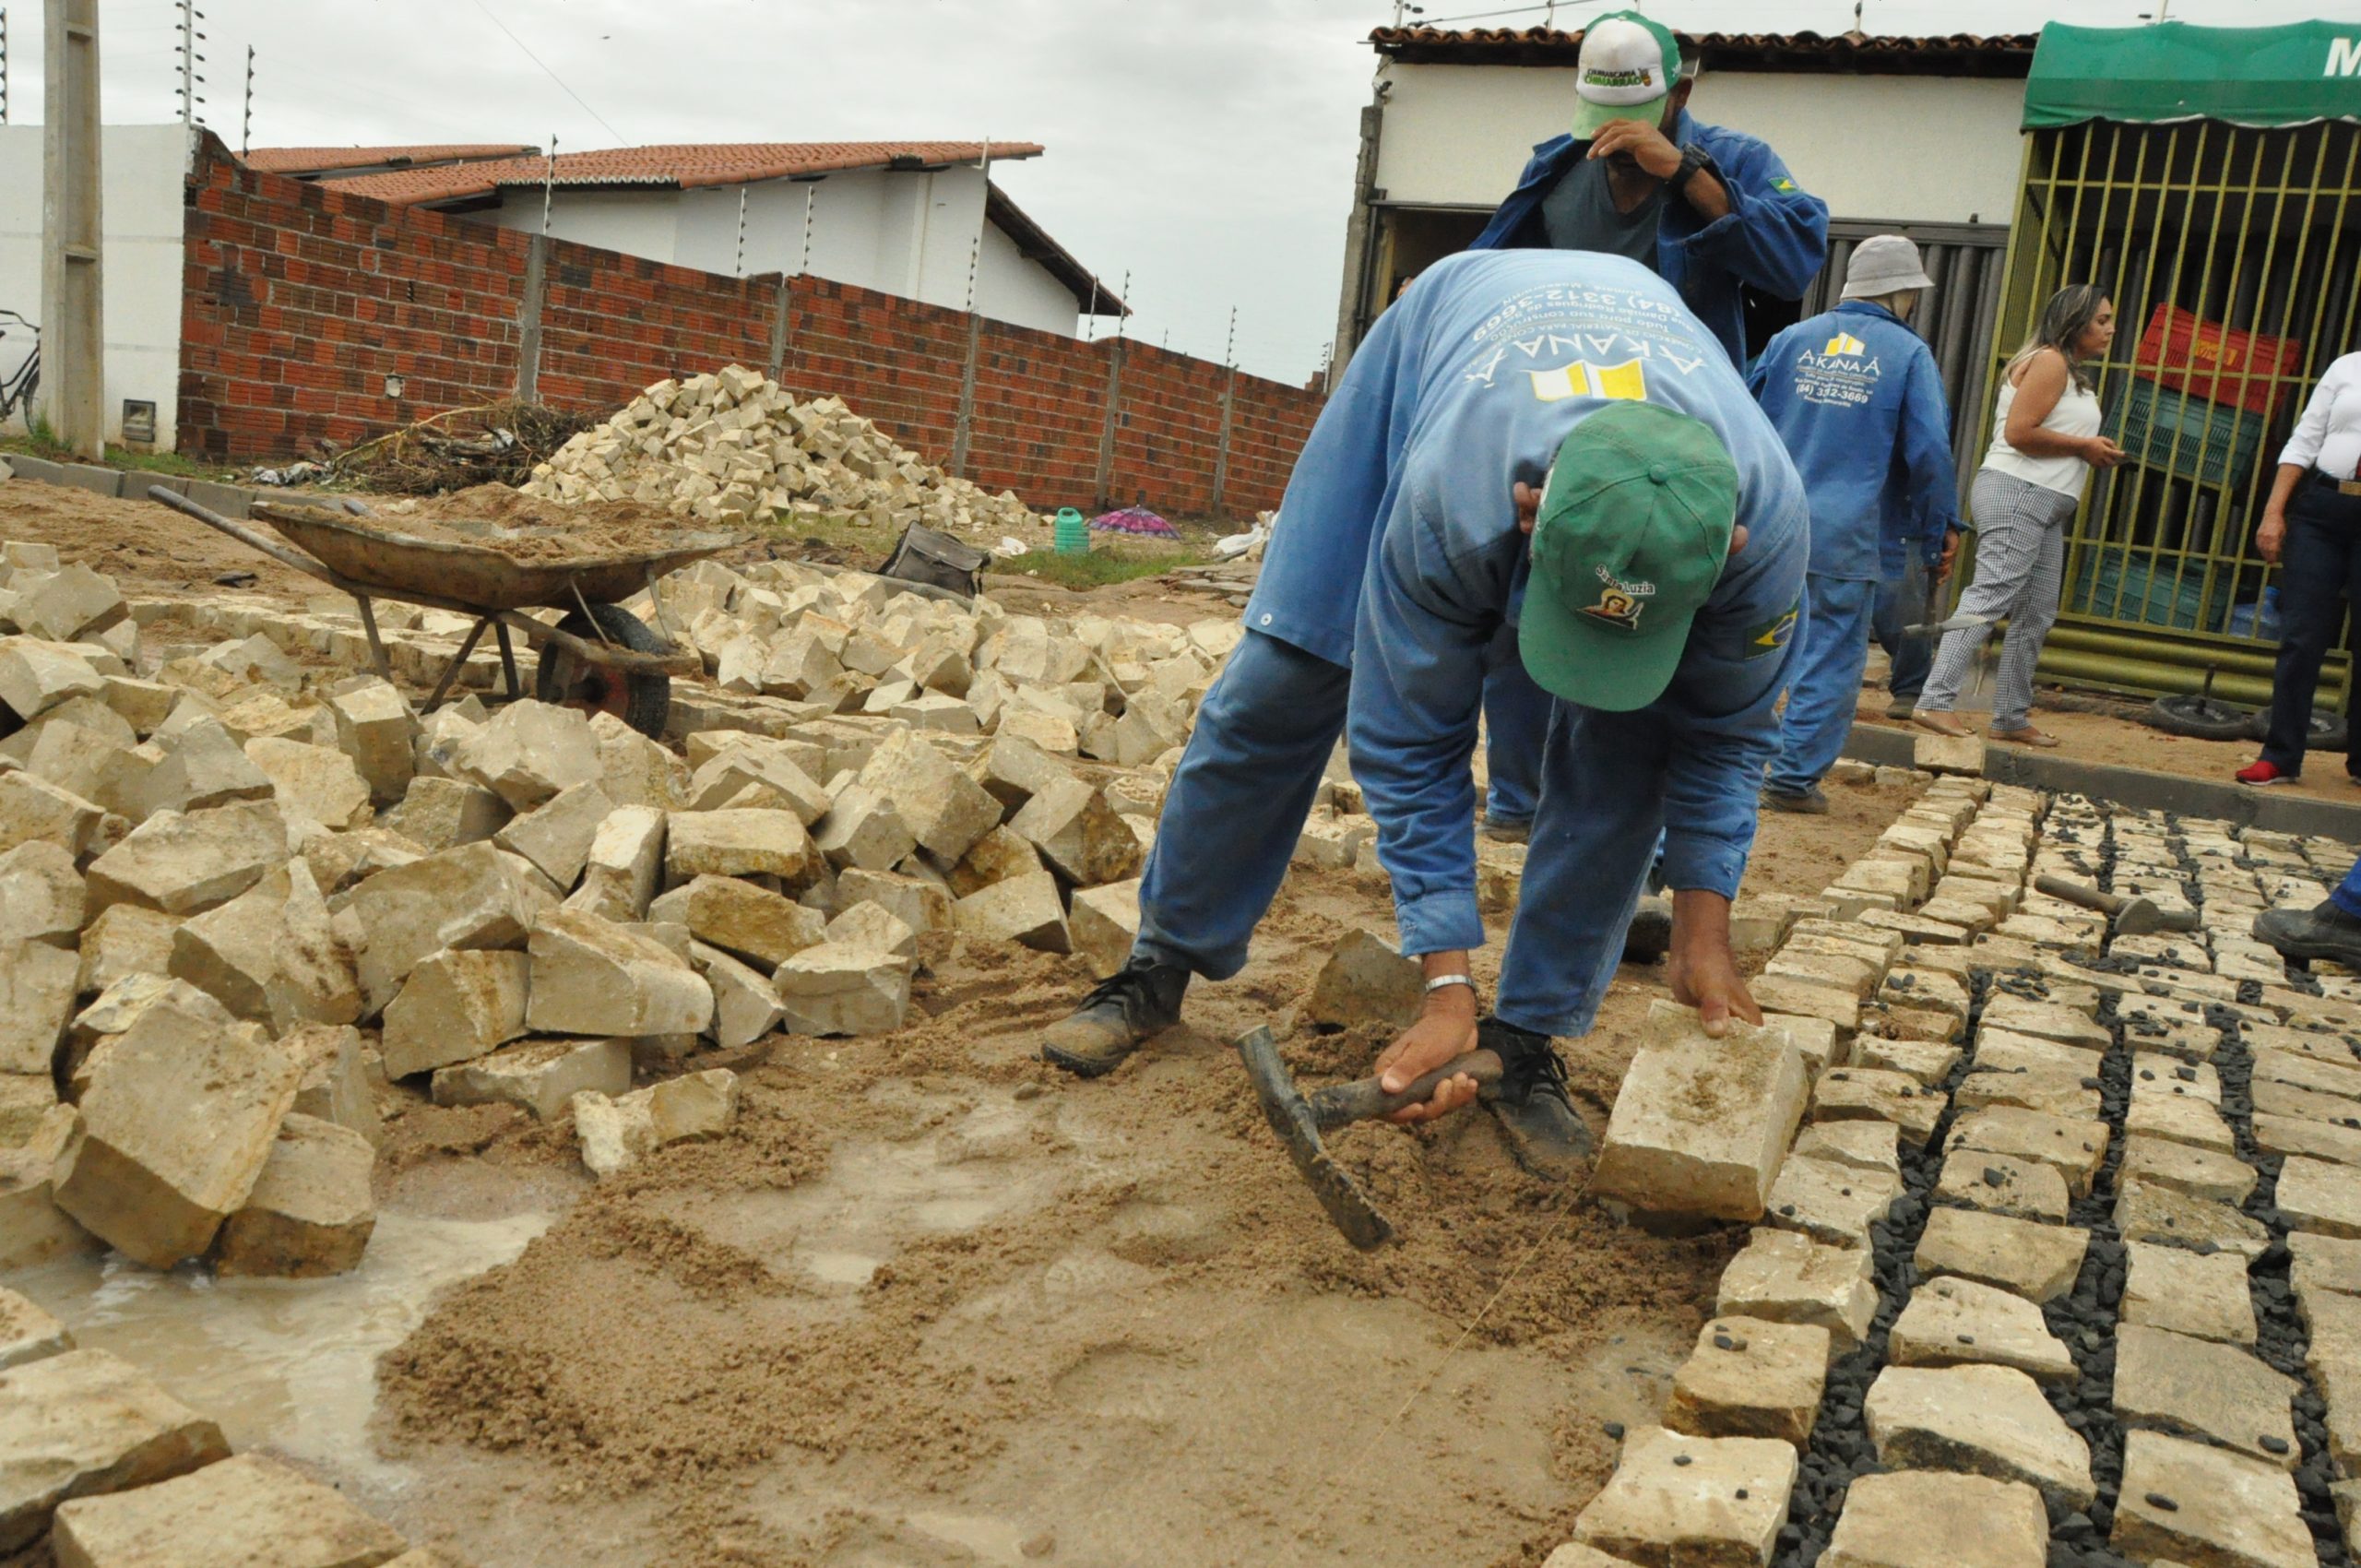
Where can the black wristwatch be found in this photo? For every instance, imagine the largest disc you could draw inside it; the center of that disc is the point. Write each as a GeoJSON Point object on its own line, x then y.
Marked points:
{"type": "Point", "coordinates": [1693, 158]}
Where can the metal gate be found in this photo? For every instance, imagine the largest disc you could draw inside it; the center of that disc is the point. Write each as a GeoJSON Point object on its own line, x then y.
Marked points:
{"type": "Point", "coordinates": [2231, 253]}
{"type": "Point", "coordinates": [1956, 316]}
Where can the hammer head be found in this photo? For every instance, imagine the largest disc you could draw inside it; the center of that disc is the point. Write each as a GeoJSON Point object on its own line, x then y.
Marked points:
{"type": "Point", "coordinates": [2138, 916]}
{"type": "Point", "coordinates": [1291, 1117]}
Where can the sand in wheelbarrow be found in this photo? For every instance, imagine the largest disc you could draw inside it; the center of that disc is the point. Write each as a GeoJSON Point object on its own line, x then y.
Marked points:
{"type": "Point", "coordinates": [525, 527]}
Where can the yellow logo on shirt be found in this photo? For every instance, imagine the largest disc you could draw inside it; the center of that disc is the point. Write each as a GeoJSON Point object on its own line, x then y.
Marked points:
{"type": "Point", "coordinates": [1845, 343]}
{"type": "Point", "coordinates": [1627, 382]}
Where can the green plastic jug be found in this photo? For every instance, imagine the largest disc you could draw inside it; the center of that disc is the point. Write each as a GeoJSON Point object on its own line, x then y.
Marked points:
{"type": "Point", "coordinates": [1073, 532]}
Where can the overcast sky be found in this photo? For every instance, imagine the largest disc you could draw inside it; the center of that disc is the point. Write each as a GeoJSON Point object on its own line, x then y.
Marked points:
{"type": "Point", "coordinates": [1206, 147]}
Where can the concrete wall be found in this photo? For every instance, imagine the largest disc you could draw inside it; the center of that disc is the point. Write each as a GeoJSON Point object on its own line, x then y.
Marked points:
{"type": "Point", "coordinates": [898, 234]}
{"type": "Point", "coordinates": [145, 173]}
{"type": "Point", "coordinates": [1919, 148]}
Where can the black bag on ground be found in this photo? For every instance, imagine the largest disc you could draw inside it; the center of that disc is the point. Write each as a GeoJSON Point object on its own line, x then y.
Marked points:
{"type": "Point", "coordinates": [937, 560]}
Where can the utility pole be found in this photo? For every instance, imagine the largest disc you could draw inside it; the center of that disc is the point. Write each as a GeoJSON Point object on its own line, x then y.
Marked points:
{"type": "Point", "coordinates": [72, 383]}
{"type": "Point", "coordinates": [548, 186]}
{"type": "Point", "coordinates": [246, 125]}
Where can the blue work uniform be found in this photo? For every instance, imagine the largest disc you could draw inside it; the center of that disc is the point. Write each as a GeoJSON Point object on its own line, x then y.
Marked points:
{"type": "Point", "coordinates": [1774, 239]}
{"type": "Point", "coordinates": [1394, 581]}
{"type": "Point", "coordinates": [1857, 397]}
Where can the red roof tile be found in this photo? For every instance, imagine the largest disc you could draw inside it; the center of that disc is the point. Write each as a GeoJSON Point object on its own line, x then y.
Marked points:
{"type": "Point", "coordinates": [321, 159]}
{"type": "Point", "coordinates": [684, 166]}
{"type": "Point", "coordinates": [2006, 54]}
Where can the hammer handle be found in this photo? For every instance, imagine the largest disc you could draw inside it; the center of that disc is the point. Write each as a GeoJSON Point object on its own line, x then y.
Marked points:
{"type": "Point", "coordinates": [1340, 1105]}
{"type": "Point", "coordinates": [2075, 893]}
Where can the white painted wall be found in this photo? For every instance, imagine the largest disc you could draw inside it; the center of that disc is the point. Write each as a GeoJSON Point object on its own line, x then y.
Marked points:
{"type": "Point", "coordinates": [899, 234]}
{"type": "Point", "coordinates": [1924, 150]}
{"type": "Point", "coordinates": [145, 173]}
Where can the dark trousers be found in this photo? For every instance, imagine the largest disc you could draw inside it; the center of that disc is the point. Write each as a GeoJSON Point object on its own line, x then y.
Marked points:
{"type": "Point", "coordinates": [2320, 580]}
{"type": "Point", "coordinates": [1913, 657]}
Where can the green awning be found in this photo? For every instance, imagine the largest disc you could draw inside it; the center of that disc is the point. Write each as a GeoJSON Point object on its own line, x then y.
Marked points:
{"type": "Point", "coordinates": [2278, 75]}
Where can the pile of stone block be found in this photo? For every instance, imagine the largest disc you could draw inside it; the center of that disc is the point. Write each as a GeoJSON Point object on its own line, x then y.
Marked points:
{"type": "Point", "coordinates": [733, 444]}
{"type": "Point", "coordinates": [116, 1473]}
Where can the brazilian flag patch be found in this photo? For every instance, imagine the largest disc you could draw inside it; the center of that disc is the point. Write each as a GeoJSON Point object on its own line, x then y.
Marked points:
{"type": "Point", "coordinates": [1783, 185]}
{"type": "Point", "coordinates": [1770, 636]}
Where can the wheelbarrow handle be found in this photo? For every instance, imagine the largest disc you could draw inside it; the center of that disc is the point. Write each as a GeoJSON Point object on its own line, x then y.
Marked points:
{"type": "Point", "coordinates": [1340, 1105]}
{"type": "Point", "coordinates": [285, 555]}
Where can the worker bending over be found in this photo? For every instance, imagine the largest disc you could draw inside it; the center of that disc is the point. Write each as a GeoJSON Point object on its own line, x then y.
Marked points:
{"type": "Point", "coordinates": [1538, 455]}
{"type": "Point", "coordinates": [1857, 398]}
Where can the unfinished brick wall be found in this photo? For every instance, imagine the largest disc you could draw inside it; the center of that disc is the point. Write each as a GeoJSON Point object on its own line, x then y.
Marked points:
{"type": "Point", "coordinates": [310, 316]}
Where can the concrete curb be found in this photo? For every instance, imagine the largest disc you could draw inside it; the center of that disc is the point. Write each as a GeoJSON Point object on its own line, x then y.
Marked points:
{"type": "Point", "coordinates": [132, 485]}
{"type": "Point", "coordinates": [2135, 787]}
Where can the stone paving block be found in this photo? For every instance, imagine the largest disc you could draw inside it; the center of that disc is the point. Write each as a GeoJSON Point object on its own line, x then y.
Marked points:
{"type": "Point", "coordinates": [1572, 1554]}
{"type": "Point", "coordinates": [335, 1081]}
{"type": "Point", "coordinates": [1951, 1322]}
{"type": "Point", "coordinates": [1078, 834]}
{"type": "Point", "coordinates": [739, 843]}
{"type": "Point", "coordinates": [1852, 1094]}
{"type": "Point", "coordinates": [923, 901]}
{"type": "Point", "coordinates": [556, 835]}
{"type": "Point", "coordinates": [28, 1333]}
{"type": "Point", "coordinates": [312, 783]}
{"type": "Point", "coordinates": [1930, 1519]}
{"type": "Point", "coordinates": [1948, 753]}
{"type": "Point", "coordinates": [595, 977]}
{"type": "Point", "coordinates": [251, 1510]}
{"type": "Point", "coordinates": [458, 1004]}
{"type": "Point", "coordinates": [945, 808]}
{"type": "Point", "coordinates": [2285, 1099]}
{"type": "Point", "coordinates": [125, 940]}
{"type": "Point", "coordinates": [2182, 1167]}
{"type": "Point", "coordinates": [745, 1003]}
{"type": "Point", "coordinates": [270, 954]}
{"type": "Point", "coordinates": [1021, 909]}
{"type": "Point", "coordinates": [618, 1133]}
{"type": "Point", "coordinates": [1818, 1038]}
{"type": "Point", "coordinates": [2075, 1149]}
{"type": "Point", "coordinates": [37, 984]}
{"type": "Point", "coordinates": [835, 989]}
{"type": "Point", "coordinates": [2045, 1020]}
{"type": "Point", "coordinates": [743, 919]}
{"type": "Point", "coordinates": [2199, 1294]}
{"type": "Point", "coordinates": [2317, 1140]}
{"type": "Point", "coordinates": [862, 829]}
{"type": "Point", "coordinates": [1986, 1421]}
{"type": "Point", "coordinates": [477, 896]}
{"type": "Point", "coordinates": [32, 1228]}
{"type": "Point", "coordinates": [1775, 993]}
{"type": "Point", "coordinates": [1864, 1145]}
{"type": "Point", "coordinates": [530, 752]}
{"type": "Point", "coordinates": [540, 1075]}
{"type": "Point", "coordinates": [2000, 1183]}
{"type": "Point", "coordinates": [625, 863]}
{"type": "Point", "coordinates": [42, 897]}
{"type": "Point", "coordinates": [2206, 1507]}
{"type": "Point", "coordinates": [1366, 980]}
{"type": "Point", "coordinates": [310, 1214]}
{"type": "Point", "coordinates": [2147, 1213]}
{"type": "Point", "coordinates": [1929, 1061]}
{"type": "Point", "coordinates": [1750, 1377]}
{"type": "Point", "coordinates": [1785, 1277]}
{"type": "Point", "coordinates": [1838, 971]}
{"type": "Point", "coordinates": [2307, 1071]}
{"type": "Point", "coordinates": [1828, 1202]}
{"type": "Point", "coordinates": [2190, 1387]}
{"type": "Point", "coordinates": [2044, 1089]}
{"type": "Point", "coordinates": [2317, 1195]}
{"type": "Point", "coordinates": [374, 727]}
{"type": "Point", "coordinates": [1926, 991]}
{"type": "Point", "coordinates": [185, 864]}
{"type": "Point", "coordinates": [84, 1423]}
{"type": "Point", "coordinates": [2038, 1261]}
{"type": "Point", "coordinates": [174, 1128]}
{"type": "Point", "coordinates": [1701, 1124]}
{"type": "Point", "coordinates": [443, 813]}
{"type": "Point", "coordinates": [1104, 923]}
{"type": "Point", "coordinates": [1706, 1501]}
{"type": "Point", "coordinates": [2323, 1263]}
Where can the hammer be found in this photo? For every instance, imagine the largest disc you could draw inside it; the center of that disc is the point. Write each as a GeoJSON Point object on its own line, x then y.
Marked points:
{"type": "Point", "coordinates": [2132, 916]}
{"type": "Point", "coordinates": [1300, 1120]}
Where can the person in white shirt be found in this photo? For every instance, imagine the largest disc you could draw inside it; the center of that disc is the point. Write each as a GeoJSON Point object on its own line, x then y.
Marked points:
{"type": "Point", "coordinates": [2311, 531]}
{"type": "Point", "coordinates": [2047, 443]}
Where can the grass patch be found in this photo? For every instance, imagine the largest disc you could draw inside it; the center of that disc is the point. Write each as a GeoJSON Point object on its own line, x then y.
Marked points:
{"type": "Point", "coordinates": [40, 442]}
{"type": "Point", "coordinates": [1108, 561]}
{"type": "Point", "coordinates": [1097, 568]}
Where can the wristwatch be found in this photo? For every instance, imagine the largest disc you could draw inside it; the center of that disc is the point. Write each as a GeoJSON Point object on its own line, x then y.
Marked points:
{"type": "Point", "coordinates": [1693, 158]}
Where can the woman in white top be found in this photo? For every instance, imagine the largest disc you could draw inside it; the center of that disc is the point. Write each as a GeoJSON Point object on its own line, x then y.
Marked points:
{"type": "Point", "coordinates": [2311, 528]}
{"type": "Point", "coordinates": [2032, 480]}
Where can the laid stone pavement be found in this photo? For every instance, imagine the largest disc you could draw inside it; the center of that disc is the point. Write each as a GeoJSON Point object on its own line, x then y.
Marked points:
{"type": "Point", "coordinates": [2096, 1296]}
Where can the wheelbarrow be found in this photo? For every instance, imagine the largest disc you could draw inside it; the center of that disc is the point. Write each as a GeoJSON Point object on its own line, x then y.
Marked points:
{"type": "Point", "coordinates": [598, 657]}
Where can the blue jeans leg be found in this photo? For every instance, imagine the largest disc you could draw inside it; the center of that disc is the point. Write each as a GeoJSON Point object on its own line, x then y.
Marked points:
{"type": "Point", "coordinates": [2319, 575]}
{"type": "Point", "coordinates": [1827, 684]}
{"type": "Point", "coordinates": [1237, 804]}
{"type": "Point", "coordinates": [1913, 657]}
{"type": "Point", "coordinates": [1599, 827]}
{"type": "Point", "coordinates": [1516, 722]}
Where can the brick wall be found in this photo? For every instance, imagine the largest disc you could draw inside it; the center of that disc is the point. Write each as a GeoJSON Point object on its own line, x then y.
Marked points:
{"type": "Point", "coordinates": [314, 316]}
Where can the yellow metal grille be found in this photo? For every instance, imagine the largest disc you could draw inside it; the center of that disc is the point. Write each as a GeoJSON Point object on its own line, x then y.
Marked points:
{"type": "Point", "coordinates": [2254, 230]}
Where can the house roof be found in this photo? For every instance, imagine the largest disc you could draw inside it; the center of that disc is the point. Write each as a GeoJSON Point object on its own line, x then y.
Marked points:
{"type": "Point", "coordinates": [302, 161]}
{"type": "Point", "coordinates": [1852, 53]}
{"type": "Point", "coordinates": [1034, 244]}
{"type": "Point", "coordinates": [682, 166]}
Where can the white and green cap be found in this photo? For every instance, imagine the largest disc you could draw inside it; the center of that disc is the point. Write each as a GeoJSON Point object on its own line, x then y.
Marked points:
{"type": "Point", "coordinates": [1629, 64]}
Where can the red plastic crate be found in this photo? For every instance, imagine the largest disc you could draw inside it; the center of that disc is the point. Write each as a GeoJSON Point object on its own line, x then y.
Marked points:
{"type": "Point", "coordinates": [2205, 359]}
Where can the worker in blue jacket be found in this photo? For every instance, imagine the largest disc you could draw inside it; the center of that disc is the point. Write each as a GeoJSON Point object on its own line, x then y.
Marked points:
{"type": "Point", "coordinates": [1857, 397]}
{"type": "Point", "coordinates": [1713, 212]}
{"type": "Point", "coordinates": [1540, 455]}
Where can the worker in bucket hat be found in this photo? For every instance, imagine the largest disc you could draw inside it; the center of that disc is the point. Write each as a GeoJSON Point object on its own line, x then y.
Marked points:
{"type": "Point", "coordinates": [1858, 399]}
{"type": "Point", "coordinates": [1540, 457]}
{"type": "Point", "coordinates": [1713, 212]}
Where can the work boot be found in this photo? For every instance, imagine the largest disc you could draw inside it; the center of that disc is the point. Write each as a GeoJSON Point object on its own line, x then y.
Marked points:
{"type": "Point", "coordinates": [1902, 708]}
{"type": "Point", "coordinates": [2324, 932]}
{"type": "Point", "coordinates": [1650, 936]}
{"type": "Point", "coordinates": [1547, 1135]}
{"type": "Point", "coordinates": [1140, 999]}
{"type": "Point", "coordinates": [1500, 830]}
{"type": "Point", "coordinates": [1808, 801]}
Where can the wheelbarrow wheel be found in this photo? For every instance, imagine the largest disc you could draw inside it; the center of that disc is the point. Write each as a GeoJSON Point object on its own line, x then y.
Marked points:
{"type": "Point", "coordinates": [642, 701]}
{"type": "Point", "coordinates": [2198, 719]}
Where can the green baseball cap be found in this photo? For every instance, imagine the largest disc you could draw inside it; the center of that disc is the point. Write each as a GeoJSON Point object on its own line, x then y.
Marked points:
{"type": "Point", "coordinates": [1635, 525]}
{"type": "Point", "coordinates": [1627, 64]}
